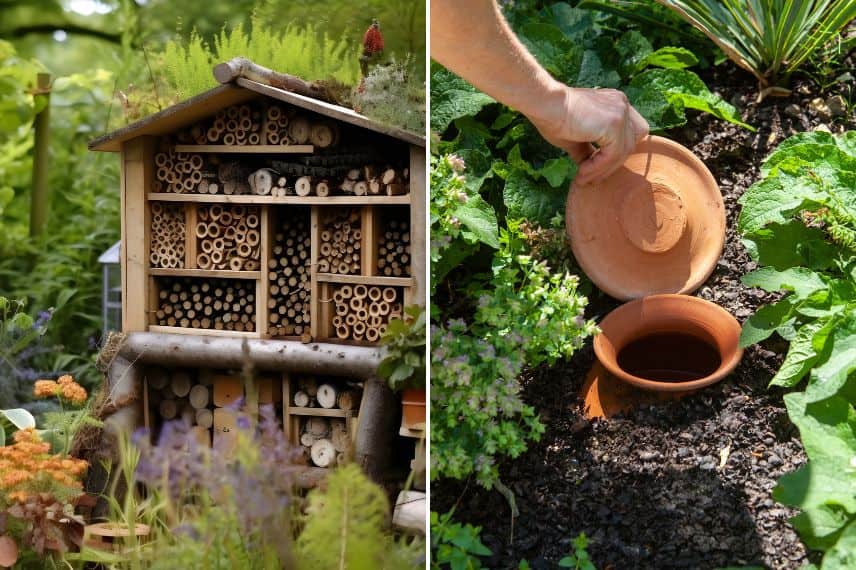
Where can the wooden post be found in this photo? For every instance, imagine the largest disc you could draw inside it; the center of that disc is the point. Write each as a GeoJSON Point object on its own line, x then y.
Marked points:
{"type": "Point", "coordinates": [418, 220]}
{"type": "Point", "coordinates": [40, 197]}
{"type": "Point", "coordinates": [375, 428]}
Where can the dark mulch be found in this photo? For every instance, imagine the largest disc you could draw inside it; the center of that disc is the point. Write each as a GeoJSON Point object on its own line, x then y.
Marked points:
{"type": "Point", "coordinates": [681, 485]}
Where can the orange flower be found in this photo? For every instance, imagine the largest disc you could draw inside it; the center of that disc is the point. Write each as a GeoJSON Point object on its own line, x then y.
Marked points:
{"type": "Point", "coordinates": [74, 393]}
{"type": "Point", "coordinates": [65, 379]}
{"type": "Point", "coordinates": [45, 389]}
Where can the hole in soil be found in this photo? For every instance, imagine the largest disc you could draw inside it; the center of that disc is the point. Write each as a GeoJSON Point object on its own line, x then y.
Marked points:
{"type": "Point", "coordinates": [669, 357]}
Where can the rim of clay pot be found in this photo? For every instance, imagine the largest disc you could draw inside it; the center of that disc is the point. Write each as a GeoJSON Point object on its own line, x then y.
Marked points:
{"type": "Point", "coordinates": [656, 225]}
{"type": "Point", "coordinates": [669, 313]}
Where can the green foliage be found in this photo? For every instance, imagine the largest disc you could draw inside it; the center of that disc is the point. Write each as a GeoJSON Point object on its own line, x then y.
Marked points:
{"type": "Point", "coordinates": [797, 222]}
{"type": "Point", "coordinates": [825, 488]}
{"type": "Point", "coordinates": [793, 220]}
{"type": "Point", "coordinates": [343, 529]}
{"type": "Point", "coordinates": [579, 559]}
{"type": "Point", "coordinates": [393, 94]}
{"type": "Point", "coordinates": [526, 315]}
{"type": "Point", "coordinates": [297, 50]}
{"type": "Point", "coordinates": [455, 545]}
{"type": "Point", "coordinates": [20, 334]}
{"type": "Point", "coordinates": [460, 217]}
{"type": "Point", "coordinates": [770, 38]}
{"type": "Point", "coordinates": [404, 339]}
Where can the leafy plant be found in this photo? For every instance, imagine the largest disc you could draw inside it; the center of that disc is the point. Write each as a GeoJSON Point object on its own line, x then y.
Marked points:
{"type": "Point", "coordinates": [20, 337]}
{"type": "Point", "coordinates": [298, 50]}
{"type": "Point", "coordinates": [404, 339]}
{"type": "Point", "coordinates": [525, 315]}
{"type": "Point", "coordinates": [799, 222]}
{"type": "Point", "coordinates": [769, 38]}
{"type": "Point", "coordinates": [579, 559]}
{"type": "Point", "coordinates": [455, 545]}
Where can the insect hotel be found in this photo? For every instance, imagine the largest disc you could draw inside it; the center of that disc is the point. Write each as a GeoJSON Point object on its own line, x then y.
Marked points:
{"type": "Point", "coordinates": [264, 227]}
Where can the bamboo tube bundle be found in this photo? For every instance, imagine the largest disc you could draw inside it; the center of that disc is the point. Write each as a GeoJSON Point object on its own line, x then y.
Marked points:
{"type": "Point", "coordinates": [219, 304]}
{"type": "Point", "coordinates": [393, 259]}
{"type": "Point", "coordinates": [289, 279]}
{"type": "Point", "coordinates": [167, 245]}
{"type": "Point", "coordinates": [178, 172]}
{"type": "Point", "coordinates": [373, 180]}
{"type": "Point", "coordinates": [340, 244]}
{"type": "Point", "coordinates": [361, 312]}
{"type": "Point", "coordinates": [234, 125]}
{"type": "Point", "coordinates": [228, 237]}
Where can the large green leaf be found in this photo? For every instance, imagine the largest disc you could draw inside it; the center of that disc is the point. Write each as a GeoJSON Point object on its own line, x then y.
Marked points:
{"type": "Point", "coordinates": [765, 322]}
{"type": "Point", "coordinates": [827, 428]}
{"type": "Point", "coordinates": [801, 354]}
{"type": "Point", "coordinates": [842, 556]}
{"type": "Point", "coordinates": [532, 200]}
{"type": "Point", "coordinates": [671, 58]}
{"type": "Point", "coordinates": [685, 87]}
{"type": "Point", "coordinates": [555, 51]}
{"type": "Point", "coordinates": [452, 97]}
{"type": "Point", "coordinates": [821, 481]}
{"type": "Point", "coordinates": [828, 378]}
{"type": "Point", "coordinates": [802, 281]}
{"type": "Point", "coordinates": [774, 200]}
{"type": "Point", "coordinates": [660, 113]}
{"type": "Point", "coordinates": [791, 244]}
{"type": "Point", "coordinates": [479, 221]}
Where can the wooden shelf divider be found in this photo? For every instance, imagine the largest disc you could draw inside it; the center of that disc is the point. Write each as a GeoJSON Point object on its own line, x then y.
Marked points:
{"type": "Point", "coordinates": [246, 149]}
{"type": "Point", "coordinates": [284, 201]}
{"type": "Point", "coordinates": [210, 273]}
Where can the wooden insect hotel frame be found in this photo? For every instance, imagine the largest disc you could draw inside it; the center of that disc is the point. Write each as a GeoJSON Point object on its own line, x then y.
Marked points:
{"type": "Point", "coordinates": [260, 224]}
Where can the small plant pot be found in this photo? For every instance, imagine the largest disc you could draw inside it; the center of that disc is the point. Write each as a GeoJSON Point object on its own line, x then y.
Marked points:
{"type": "Point", "coordinates": [413, 408]}
{"type": "Point", "coordinates": [669, 343]}
{"type": "Point", "coordinates": [113, 537]}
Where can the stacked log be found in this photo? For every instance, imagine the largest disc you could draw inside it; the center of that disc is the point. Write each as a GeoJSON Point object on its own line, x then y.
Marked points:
{"type": "Point", "coordinates": [234, 178]}
{"type": "Point", "coordinates": [373, 181]}
{"type": "Point", "coordinates": [260, 123]}
{"type": "Point", "coordinates": [339, 249]}
{"type": "Point", "coordinates": [326, 440]}
{"type": "Point", "coordinates": [393, 259]}
{"type": "Point", "coordinates": [168, 235]}
{"type": "Point", "coordinates": [218, 304]}
{"type": "Point", "coordinates": [362, 312]}
{"type": "Point", "coordinates": [180, 172]}
{"type": "Point", "coordinates": [228, 237]}
{"type": "Point", "coordinates": [289, 279]}
{"type": "Point", "coordinates": [179, 395]}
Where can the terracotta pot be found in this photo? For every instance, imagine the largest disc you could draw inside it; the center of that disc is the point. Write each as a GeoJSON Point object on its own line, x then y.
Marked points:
{"type": "Point", "coordinates": [656, 225]}
{"type": "Point", "coordinates": [413, 408]}
{"type": "Point", "coordinates": [671, 343]}
{"type": "Point", "coordinates": [110, 536]}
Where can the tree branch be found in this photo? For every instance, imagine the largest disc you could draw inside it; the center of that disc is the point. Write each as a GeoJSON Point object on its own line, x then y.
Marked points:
{"type": "Point", "coordinates": [69, 28]}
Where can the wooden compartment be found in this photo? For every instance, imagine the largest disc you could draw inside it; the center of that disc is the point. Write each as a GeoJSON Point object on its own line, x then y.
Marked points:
{"type": "Point", "coordinates": [340, 240]}
{"type": "Point", "coordinates": [320, 414]}
{"type": "Point", "coordinates": [225, 237]}
{"type": "Point", "coordinates": [217, 306]}
{"type": "Point", "coordinates": [167, 236]}
{"type": "Point", "coordinates": [289, 273]}
{"type": "Point", "coordinates": [359, 312]}
{"type": "Point", "coordinates": [390, 250]}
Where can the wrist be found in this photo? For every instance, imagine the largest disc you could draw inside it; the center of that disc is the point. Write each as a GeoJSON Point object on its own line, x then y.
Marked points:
{"type": "Point", "coordinates": [552, 103]}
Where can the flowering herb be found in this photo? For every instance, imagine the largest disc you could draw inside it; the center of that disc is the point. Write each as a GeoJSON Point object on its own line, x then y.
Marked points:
{"type": "Point", "coordinates": [64, 388]}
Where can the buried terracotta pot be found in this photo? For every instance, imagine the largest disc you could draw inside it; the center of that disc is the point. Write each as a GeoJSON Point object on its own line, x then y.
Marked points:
{"type": "Point", "coordinates": [413, 408]}
{"type": "Point", "coordinates": [670, 343]}
{"type": "Point", "coordinates": [656, 225]}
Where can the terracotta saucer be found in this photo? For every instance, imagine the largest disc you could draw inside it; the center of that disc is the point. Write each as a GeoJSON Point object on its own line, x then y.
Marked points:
{"type": "Point", "coordinates": [657, 225]}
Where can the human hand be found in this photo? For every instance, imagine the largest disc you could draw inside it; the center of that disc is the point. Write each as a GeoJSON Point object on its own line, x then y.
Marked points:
{"type": "Point", "coordinates": [574, 118]}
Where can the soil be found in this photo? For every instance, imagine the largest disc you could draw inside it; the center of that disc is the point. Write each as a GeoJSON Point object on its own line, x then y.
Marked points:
{"type": "Point", "coordinates": [685, 484]}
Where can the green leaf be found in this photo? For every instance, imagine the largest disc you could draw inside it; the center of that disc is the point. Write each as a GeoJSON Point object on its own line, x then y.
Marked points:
{"type": "Point", "coordinates": [803, 282]}
{"type": "Point", "coordinates": [479, 219]}
{"type": "Point", "coordinates": [594, 74]}
{"type": "Point", "coordinates": [826, 427]}
{"type": "Point", "coordinates": [765, 322]}
{"type": "Point", "coordinates": [632, 48]}
{"type": "Point", "coordinates": [819, 526]}
{"type": "Point", "coordinates": [531, 200]}
{"type": "Point", "coordinates": [553, 50]}
{"type": "Point", "coordinates": [820, 482]}
{"type": "Point", "coordinates": [670, 58]}
{"type": "Point", "coordinates": [686, 87]}
{"type": "Point", "coordinates": [828, 378]}
{"type": "Point", "coordinates": [773, 200]}
{"type": "Point", "coordinates": [452, 98]}
{"type": "Point", "coordinates": [791, 244]}
{"type": "Point", "coordinates": [652, 104]}
{"type": "Point", "coordinates": [842, 556]}
{"type": "Point", "coordinates": [801, 354]}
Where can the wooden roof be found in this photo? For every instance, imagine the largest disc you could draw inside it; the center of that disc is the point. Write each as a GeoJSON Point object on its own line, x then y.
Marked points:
{"type": "Point", "coordinates": [205, 104]}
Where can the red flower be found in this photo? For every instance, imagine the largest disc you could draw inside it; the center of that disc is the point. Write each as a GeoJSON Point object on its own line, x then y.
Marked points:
{"type": "Point", "coordinates": [373, 40]}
